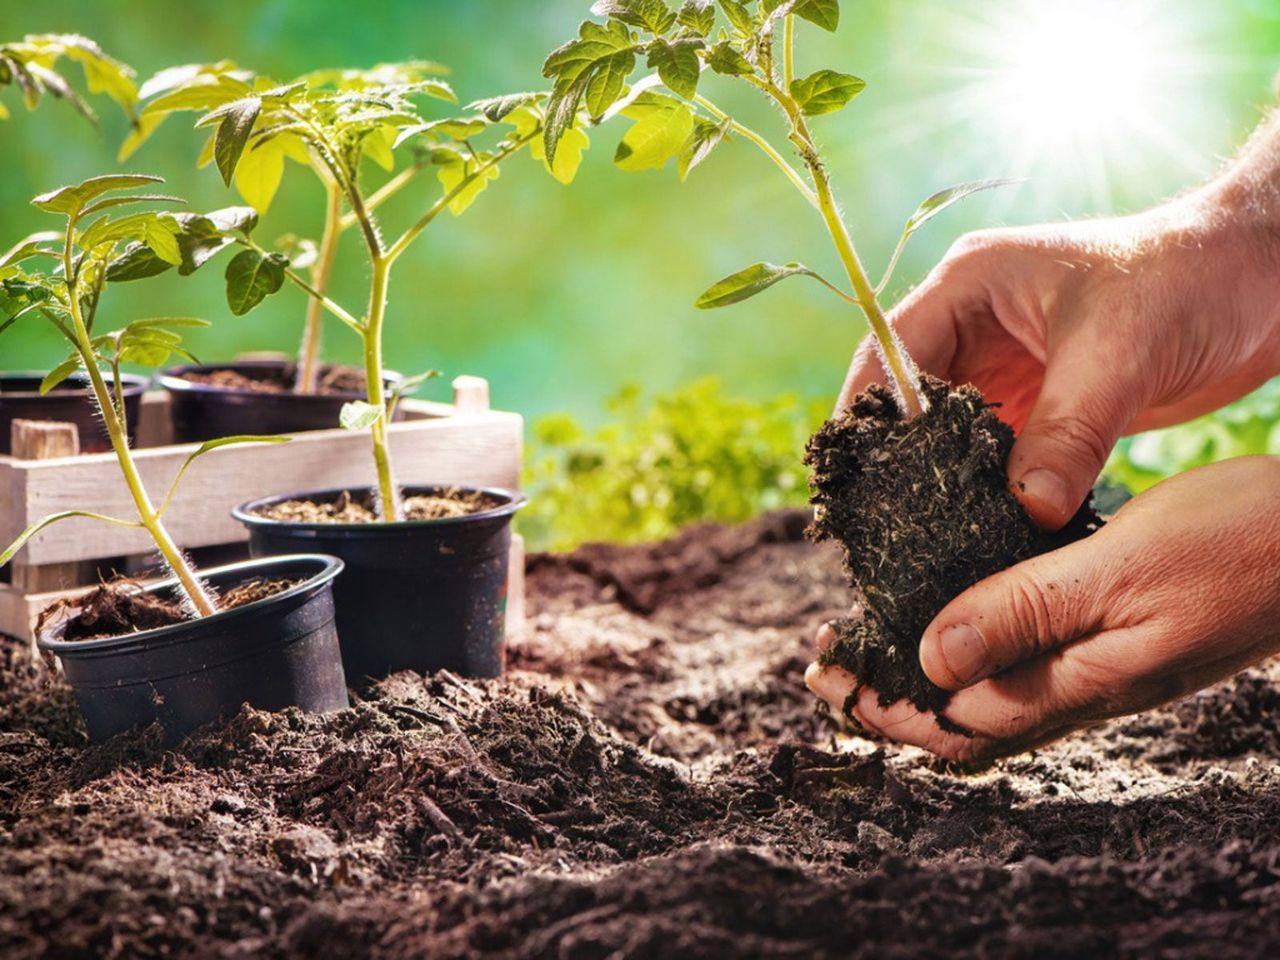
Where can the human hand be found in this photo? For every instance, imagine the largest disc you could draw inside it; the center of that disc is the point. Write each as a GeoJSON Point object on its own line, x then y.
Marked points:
{"type": "Point", "coordinates": [1086, 331]}
{"type": "Point", "coordinates": [1181, 589]}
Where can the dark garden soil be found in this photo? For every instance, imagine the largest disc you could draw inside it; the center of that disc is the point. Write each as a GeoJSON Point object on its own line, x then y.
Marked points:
{"type": "Point", "coordinates": [652, 780]}
{"type": "Point", "coordinates": [121, 607]}
{"type": "Point", "coordinates": [923, 510]}
{"type": "Point", "coordinates": [332, 380]}
{"type": "Point", "coordinates": [358, 507]}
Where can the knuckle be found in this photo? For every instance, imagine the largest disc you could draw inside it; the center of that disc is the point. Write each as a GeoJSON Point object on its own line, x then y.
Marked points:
{"type": "Point", "coordinates": [1078, 436]}
{"type": "Point", "coordinates": [1031, 617]}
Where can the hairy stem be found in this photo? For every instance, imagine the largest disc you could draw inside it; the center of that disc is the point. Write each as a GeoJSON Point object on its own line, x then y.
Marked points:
{"type": "Point", "coordinates": [901, 369]}
{"type": "Point", "coordinates": [788, 48]}
{"type": "Point", "coordinates": [309, 352]}
{"type": "Point", "coordinates": [388, 492]}
{"type": "Point", "coordinates": [201, 603]}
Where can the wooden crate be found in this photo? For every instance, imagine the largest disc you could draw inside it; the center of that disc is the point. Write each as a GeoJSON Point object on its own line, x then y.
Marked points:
{"type": "Point", "coordinates": [460, 443]}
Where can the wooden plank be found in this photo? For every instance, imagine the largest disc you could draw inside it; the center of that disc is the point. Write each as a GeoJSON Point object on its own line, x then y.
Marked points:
{"type": "Point", "coordinates": [515, 589]}
{"type": "Point", "coordinates": [470, 394]}
{"type": "Point", "coordinates": [481, 449]}
{"type": "Point", "coordinates": [46, 440]}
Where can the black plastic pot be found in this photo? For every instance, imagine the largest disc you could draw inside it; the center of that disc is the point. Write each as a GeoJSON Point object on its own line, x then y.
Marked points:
{"type": "Point", "coordinates": [203, 411]}
{"type": "Point", "coordinates": [417, 595]}
{"type": "Point", "coordinates": [69, 402]}
{"type": "Point", "coordinates": [278, 652]}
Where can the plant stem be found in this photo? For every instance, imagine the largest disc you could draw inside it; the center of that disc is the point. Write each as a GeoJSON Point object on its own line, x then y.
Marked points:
{"type": "Point", "coordinates": [901, 369]}
{"type": "Point", "coordinates": [796, 180]}
{"type": "Point", "coordinates": [384, 193]}
{"type": "Point", "coordinates": [309, 352]}
{"type": "Point", "coordinates": [788, 46]}
{"type": "Point", "coordinates": [202, 604]}
{"type": "Point", "coordinates": [388, 492]}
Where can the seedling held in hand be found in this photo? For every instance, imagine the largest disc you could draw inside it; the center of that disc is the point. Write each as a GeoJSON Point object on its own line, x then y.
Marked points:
{"type": "Point", "coordinates": [60, 277]}
{"type": "Point", "coordinates": [755, 45]}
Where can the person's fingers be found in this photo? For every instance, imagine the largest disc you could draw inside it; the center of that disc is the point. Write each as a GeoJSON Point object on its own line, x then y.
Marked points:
{"type": "Point", "coordinates": [1018, 613]}
{"type": "Point", "coordinates": [1086, 403]}
{"type": "Point", "coordinates": [832, 684]}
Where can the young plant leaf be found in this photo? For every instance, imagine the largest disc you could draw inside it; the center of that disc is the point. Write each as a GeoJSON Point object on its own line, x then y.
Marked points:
{"type": "Point", "coordinates": [71, 200]}
{"type": "Point", "coordinates": [724, 58]}
{"type": "Point", "coordinates": [739, 16]}
{"type": "Point", "coordinates": [59, 373]}
{"type": "Point", "coordinates": [206, 447]}
{"type": "Point", "coordinates": [258, 174]}
{"type": "Point", "coordinates": [13, 548]}
{"type": "Point", "coordinates": [466, 175]}
{"type": "Point", "coordinates": [497, 108]}
{"type": "Point", "coordinates": [677, 64]}
{"type": "Point", "coordinates": [233, 133]}
{"type": "Point", "coordinates": [595, 65]}
{"type": "Point", "coordinates": [407, 385]}
{"type": "Point", "coordinates": [662, 126]}
{"type": "Point", "coordinates": [824, 13]}
{"type": "Point", "coordinates": [706, 137]}
{"type": "Point", "coordinates": [929, 209]}
{"type": "Point", "coordinates": [251, 278]}
{"type": "Point", "coordinates": [748, 282]}
{"type": "Point", "coordinates": [359, 415]}
{"type": "Point", "coordinates": [698, 16]}
{"type": "Point", "coordinates": [825, 91]}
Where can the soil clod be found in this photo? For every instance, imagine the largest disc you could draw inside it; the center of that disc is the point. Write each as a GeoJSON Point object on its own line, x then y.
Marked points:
{"type": "Point", "coordinates": [923, 510]}
{"type": "Point", "coordinates": [357, 507]}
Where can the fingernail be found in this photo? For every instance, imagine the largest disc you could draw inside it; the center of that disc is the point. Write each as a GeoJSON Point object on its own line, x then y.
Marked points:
{"type": "Point", "coordinates": [964, 652]}
{"type": "Point", "coordinates": [1048, 490]}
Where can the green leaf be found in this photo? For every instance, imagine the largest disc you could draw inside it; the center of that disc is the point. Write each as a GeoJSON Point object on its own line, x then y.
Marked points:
{"type": "Point", "coordinates": [698, 15]}
{"type": "Point", "coordinates": [132, 198]}
{"type": "Point", "coordinates": [497, 108]}
{"type": "Point", "coordinates": [825, 91]}
{"type": "Point", "coordinates": [725, 58]}
{"type": "Point", "coordinates": [259, 173]}
{"type": "Point", "coordinates": [29, 247]}
{"type": "Point", "coordinates": [161, 237]}
{"type": "Point", "coordinates": [825, 13]}
{"type": "Point", "coordinates": [359, 415]}
{"type": "Point", "coordinates": [452, 175]}
{"type": "Point", "coordinates": [71, 200]}
{"type": "Point", "coordinates": [677, 64]}
{"type": "Point", "coordinates": [739, 16]}
{"type": "Point", "coordinates": [206, 447]}
{"type": "Point", "coordinates": [748, 282]}
{"type": "Point", "coordinates": [59, 373]}
{"type": "Point", "coordinates": [234, 128]}
{"type": "Point", "coordinates": [652, 15]}
{"type": "Point", "coordinates": [35, 528]}
{"type": "Point", "coordinates": [594, 65]}
{"type": "Point", "coordinates": [136, 262]}
{"type": "Point", "coordinates": [935, 204]}
{"type": "Point", "coordinates": [407, 385]}
{"type": "Point", "coordinates": [706, 137]}
{"type": "Point", "coordinates": [662, 126]}
{"type": "Point", "coordinates": [251, 278]}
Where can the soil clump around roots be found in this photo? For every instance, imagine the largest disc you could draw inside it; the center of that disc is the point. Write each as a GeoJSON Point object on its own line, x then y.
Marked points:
{"type": "Point", "coordinates": [651, 780]}
{"type": "Point", "coordinates": [923, 511]}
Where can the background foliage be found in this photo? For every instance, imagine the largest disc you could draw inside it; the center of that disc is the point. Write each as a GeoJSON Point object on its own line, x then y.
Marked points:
{"type": "Point", "coordinates": [561, 296]}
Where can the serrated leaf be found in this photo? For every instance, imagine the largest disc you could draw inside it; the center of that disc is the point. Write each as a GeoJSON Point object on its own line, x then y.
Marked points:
{"type": "Point", "coordinates": [574, 67]}
{"type": "Point", "coordinates": [652, 15]}
{"type": "Point", "coordinates": [251, 278]}
{"type": "Point", "coordinates": [452, 175]}
{"type": "Point", "coordinates": [739, 16]}
{"type": "Point", "coordinates": [825, 91]}
{"type": "Point", "coordinates": [824, 13]}
{"type": "Point", "coordinates": [724, 58]}
{"type": "Point", "coordinates": [677, 64]}
{"type": "Point", "coordinates": [662, 126]}
{"type": "Point", "coordinates": [161, 238]}
{"type": "Point", "coordinates": [497, 108]}
{"type": "Point", "coordinates": [71, 200]}
{"type": "Point", "coordinates": [748, 282]}
{"type": "Point", "coordinates": [233, 133]}
{"type": "Point", "coordinates": [706, 137]}
{"type": "Point", "coordinates": [110, 202]}
{"type": "Point", "coordinates": [697, 15]}
{"type": "Point", "coordinates": [359, 415]}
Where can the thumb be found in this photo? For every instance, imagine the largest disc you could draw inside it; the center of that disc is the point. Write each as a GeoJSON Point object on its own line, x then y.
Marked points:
{"type": "Point", "coordinates": [1015, 615]}
{"type": "Point", "coordinates": [1084, 406]}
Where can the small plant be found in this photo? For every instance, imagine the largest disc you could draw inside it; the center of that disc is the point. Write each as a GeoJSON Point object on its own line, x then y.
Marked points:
{"type": "Point", "coordinates": [754, 46]}
{"type": "Point", "coordinates": [332, 121]}
{"type": "Point", "coordinates": [31, 64]}
{"type": "Point", "coordinates": [106, 237]}
{"type": "Point", "coordinates": [689, 455]}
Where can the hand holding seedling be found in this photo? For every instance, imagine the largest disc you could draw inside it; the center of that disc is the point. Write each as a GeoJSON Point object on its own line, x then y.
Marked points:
{"type": "Point", "coordinates": [1086, 332]}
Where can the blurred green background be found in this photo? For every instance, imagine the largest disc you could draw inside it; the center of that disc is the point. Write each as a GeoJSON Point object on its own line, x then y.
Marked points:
{"type": "Point", "coordinates": [562, 296]}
